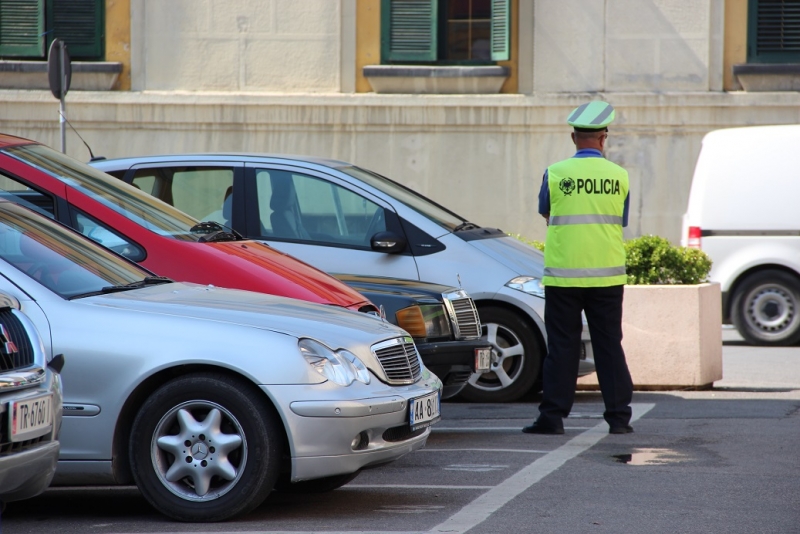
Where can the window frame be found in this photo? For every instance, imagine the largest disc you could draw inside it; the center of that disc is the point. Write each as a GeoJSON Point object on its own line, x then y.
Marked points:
{"type": "Point", "coordinates": [431, 26]}
{"type": "Point", "coordinates": [54, 19]}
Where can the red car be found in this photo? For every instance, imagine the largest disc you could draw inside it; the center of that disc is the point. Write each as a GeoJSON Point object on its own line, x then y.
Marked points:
{"type": "Point", "coordinates": [156, 235]}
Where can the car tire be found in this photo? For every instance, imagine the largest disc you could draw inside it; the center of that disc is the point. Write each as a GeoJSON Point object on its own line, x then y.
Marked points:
{"type": "Point", "coordinates": [520, 358]}
{"type": "Point", "coordinates": [319, 485]}
{"type": "Point", "coordinates": [205, 447]}
{"type": "Point", "coordinates": [766, 308]}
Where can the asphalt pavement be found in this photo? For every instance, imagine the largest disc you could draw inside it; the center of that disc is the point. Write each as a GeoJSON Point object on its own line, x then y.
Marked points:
{"type": "Point", "coordinates": [721, 460]}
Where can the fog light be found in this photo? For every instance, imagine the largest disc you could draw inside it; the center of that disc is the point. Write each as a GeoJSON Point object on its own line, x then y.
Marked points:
{"type": "Point", "coordinates": [360, 442]}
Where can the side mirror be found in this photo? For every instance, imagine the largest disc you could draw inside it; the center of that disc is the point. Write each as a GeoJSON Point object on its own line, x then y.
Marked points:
{"type": "Point", "coordinates": [388, 242]}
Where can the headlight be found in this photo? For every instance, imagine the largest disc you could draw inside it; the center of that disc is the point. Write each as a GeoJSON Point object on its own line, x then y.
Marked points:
{"type": "Point", "coordinates": [362, 373]}
{"type": "Point", "coordinates": [426, 320]}
{"type": "Point", "coordinates": [335, 367]}
{"type": "Point", "coordinates": [527, 284]}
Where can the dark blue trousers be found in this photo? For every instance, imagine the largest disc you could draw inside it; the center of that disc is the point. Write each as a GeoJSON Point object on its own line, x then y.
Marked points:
{"type": "Point", "coordinates": [562, 312]}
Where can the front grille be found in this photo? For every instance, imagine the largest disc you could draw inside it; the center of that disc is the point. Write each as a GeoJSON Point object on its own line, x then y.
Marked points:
{"type": "Point", "coordinates": [16, 352]}
{"type": "Point", "coordinates": [464, 315]}
{"type": "Point", "coordinates": [399, 360]}
{"type": "Point", "coordinates": [402, 433]}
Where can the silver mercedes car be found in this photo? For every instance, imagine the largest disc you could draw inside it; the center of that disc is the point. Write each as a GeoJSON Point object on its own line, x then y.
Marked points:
{"type": "Point", "coordinates": [206, 398]}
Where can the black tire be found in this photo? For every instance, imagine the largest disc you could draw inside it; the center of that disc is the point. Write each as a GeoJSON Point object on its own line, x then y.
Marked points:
{"type": "Point", "coordinates": [319, 485]}
{"type": "Point", "coordinates": [239, 476]}
{"type": "Point", "coordinates": [766, 308]}
{"type": "Point", "coordinates": [506, 331]}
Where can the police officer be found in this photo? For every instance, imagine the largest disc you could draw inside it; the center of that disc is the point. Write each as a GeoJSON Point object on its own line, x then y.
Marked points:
{"type": "Point", "coordinates": [585, 202]}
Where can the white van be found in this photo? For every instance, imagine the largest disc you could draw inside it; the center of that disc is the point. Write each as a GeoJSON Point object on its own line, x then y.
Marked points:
{"type": "Point", "coordinates": [744, 212]}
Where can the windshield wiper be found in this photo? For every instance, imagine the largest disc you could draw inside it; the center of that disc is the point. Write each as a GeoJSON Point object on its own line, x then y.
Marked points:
{"type": "Point", "coordinates": [147, 281]}
{"type": "Point", "coordinates": [466, 225]}
{"type": "Point", "coordinates": [214, 231]}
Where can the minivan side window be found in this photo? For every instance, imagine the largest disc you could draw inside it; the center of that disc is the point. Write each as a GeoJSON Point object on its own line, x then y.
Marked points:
{"type": "Point", "coordinates": [202, 192]}
{"type": "Point", "coordinates": [298, 207]}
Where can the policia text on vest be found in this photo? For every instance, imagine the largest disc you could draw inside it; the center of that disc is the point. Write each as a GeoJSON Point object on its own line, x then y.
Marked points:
{"type": "Point", "coordinates": [589, 186]}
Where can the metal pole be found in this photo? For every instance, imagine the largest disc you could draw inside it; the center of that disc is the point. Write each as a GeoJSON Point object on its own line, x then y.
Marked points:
{"type": "Point", "coordinates": [62, 107]}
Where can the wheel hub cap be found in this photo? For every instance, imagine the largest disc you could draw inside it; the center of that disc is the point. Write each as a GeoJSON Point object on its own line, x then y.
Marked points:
{"type": "Point", "coordinates": [201, 461]}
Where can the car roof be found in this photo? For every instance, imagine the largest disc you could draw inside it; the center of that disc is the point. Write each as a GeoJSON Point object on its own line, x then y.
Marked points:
{"type": "Point", "coordinates": [12, 140]}
{"type": "Point", "coordinates": [225, 156]}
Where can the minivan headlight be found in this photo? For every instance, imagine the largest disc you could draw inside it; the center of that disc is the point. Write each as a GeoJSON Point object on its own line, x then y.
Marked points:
{"type": "Point", "coordinates": [424, 320]}
{"type": "Point", "coordinates": [335, 367]}
{"type": "Point", "coordinates": [527, 284]}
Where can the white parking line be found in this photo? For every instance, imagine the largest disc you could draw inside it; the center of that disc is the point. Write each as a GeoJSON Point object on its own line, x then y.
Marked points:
{"type": "Point", "coordinates": [412, 486]}
{"type": "Point", "coordinates": [432, 449]}
{"type": "Point", "coordinates": [481, 508]}
{"type": "Point", "coordinates": [437, 429]}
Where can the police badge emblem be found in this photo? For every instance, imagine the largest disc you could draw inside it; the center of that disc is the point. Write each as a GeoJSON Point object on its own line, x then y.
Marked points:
{"type": "Point", "coordinates": [567, 185]}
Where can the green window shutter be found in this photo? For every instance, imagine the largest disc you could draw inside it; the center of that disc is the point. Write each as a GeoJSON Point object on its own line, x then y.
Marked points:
{"type": "Point", "coordinates": [22, 28]}
{"type": "Point", "coordinates": [773, 31]}
{"type": "Point", "coordinates": [81, 24]}
{"type": "Point", "coordinates": [501, 25]}
{"type": "Point", "coordinates": [408, 30]}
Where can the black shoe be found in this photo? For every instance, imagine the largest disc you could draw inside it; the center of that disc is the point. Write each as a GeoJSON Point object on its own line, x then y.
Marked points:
{"type": "Point", "coordinates": [626, 429]}
{"type": "Point", "coordinates": [536, 428]}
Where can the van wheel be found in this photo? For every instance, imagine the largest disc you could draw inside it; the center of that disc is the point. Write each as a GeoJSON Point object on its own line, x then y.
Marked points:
{"type": "Point", "coordinates": [205, 447]}
{"type": "Point", "coordinates": [518, 359]}
{"type": "Point", "coordinates": [766, 308]}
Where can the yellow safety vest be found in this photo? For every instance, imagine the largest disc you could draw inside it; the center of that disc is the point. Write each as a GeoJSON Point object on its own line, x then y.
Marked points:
{"type": "Point", "coordinates": [584, 246]}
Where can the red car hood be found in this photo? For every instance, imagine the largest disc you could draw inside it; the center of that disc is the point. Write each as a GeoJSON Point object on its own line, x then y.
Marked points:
{"type": "Point", "coordinates": [267, 270]}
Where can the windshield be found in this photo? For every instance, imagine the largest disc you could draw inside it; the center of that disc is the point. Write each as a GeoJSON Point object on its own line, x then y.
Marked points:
{"type": "Point", "coordinates": [61, 260]}
{"type": "Point", "coordinates": [130, 202]}
{"type": "Point", "coordinates": [412, 199]}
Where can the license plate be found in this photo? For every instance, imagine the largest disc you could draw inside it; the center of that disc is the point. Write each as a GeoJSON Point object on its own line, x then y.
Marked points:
{"type": "Point", "coordinates": [483, 359]}
{"type": "Point", "coordinates": [30, 418]}
{"type": "Point", "coordinates": [423, 411]}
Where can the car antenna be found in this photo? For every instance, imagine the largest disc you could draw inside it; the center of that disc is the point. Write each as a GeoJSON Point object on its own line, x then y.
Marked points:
{"type": "Point", "coordinates": [91, 155]}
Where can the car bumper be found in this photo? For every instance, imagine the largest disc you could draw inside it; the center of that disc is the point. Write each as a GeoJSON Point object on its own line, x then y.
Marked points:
{"type": "Point", "coordinates": [452, 361]}
{"type": "Point", "coordinates": [28, 473]}
{"type": "Point", "coordinates": [376, 411]}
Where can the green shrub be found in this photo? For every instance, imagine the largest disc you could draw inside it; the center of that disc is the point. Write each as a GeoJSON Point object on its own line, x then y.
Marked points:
{"type": "Point", "coordinates": [652, 260]}
{"type": "Point", "coordinates": [532, 242]}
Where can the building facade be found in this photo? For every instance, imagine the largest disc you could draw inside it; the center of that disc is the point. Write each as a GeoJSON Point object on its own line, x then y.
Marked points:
{"type": "Point", "coordinates": [462, 100]}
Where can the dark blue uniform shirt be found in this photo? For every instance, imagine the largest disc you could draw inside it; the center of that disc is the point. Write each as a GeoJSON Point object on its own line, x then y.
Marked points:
{"type": "Point", "coordinates": [544, 192]}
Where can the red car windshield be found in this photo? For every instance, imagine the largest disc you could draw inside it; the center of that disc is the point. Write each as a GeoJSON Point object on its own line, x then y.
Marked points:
{"type": "Point", "coordinates": [130, 202]}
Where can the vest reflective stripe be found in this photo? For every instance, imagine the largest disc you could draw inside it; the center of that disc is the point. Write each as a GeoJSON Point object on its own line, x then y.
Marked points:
{"type": "Point", "coordinates": [560, 220]}
{"type": "Point", "coordinates": [584, 245]}
{"type": "Point", "coordinates": [584, 273]}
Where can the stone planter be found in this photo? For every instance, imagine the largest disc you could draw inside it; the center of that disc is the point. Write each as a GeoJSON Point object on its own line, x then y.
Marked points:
{"type": "Point", "coordinates": [672, 336]}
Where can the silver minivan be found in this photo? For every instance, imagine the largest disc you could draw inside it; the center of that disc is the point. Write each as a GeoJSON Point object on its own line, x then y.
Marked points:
{"type": "Point", "coordinates": [345, 219]}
